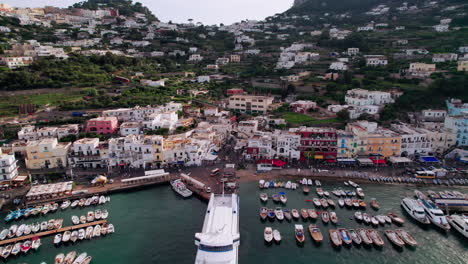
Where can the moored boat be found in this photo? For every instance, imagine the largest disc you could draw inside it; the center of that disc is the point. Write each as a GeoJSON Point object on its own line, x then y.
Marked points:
{"type": "Point", "coordinates": [283, 198]}
{"type": "Point", "coordinates": [315, 233]}
{"type": "Point", "coordinates": [70, 257]}
{"type": "Point", "coordinates": [319, 191]}
{"type": "Point", "coordinates": [415, 210]}
{"type": "Point", "coordinates": [358, 216]}
{"type": "Point", "coordinates": [177, 185]}
{"type": "Point", "coordinates": [263, 213]}
{"type": "Point", "coordinates": [66, 236]}
{"type": "Point", "coordinates": [312, 213]}
{"type": "Point", "coordinates": [279, 213]}
{"type": "Point", "coordinates": [26, 246]}
{"type": "Point", "coordinates": [7, 251]}
{"type": "Point", "coordinates": [305, 189]}
{"type": "Point", "coordinates": [75, 220]}
{"type": "Point", "coordinates": [57, 239]}
{"type": "Point", "coordinates": [335, 237]}
{"type": "Point", "coordinates": [268, 234]}
{"type": "Point", "coordinates": [406, 237]}
{"type": "Point", "coordinates": [36, 243]}
{"type": "Point", "coordinates": [324, 203]}
{"type": "Point", "coordinates": [287, 214]}
{"type": "Point", "coordinates": [459, 223]}
{"type": "Point", "coordinates": [376, 239]}
{"type": "Point", "coordinates": [341, 202]}
{"type": "Point", "coordinates": [89, 232]}
{"type": "Point", "coordinates": [97, 231]}
{"type": "Point", "coordinates": [325, 217]}
{"type": "Point", "coordinates": [299, 233]}
{"type": "Point", "coordinates": [74, 236]}
{"type": "Point", "coordinates": [365, 236]}
{"type": "Point", "coordinates": [394, 238]}
{"type": "Point", "coordinates": [276, 236]}
{"type": "Point", "coordinates": [316, 202]}
{"type": "Point", "coordinates": [59, 258]}
{"type": "Point", "coordinates": [435, 215]}
{"type": "Point", "coordinates": [374, 204]}
{"type": "Point", "coordinates": [345, 237]}
{"type": "Point", "coordinates": [263, 197]}
{"type": "Point", "coordinates": [80, 258]}
{"type": "Point", "coordinates": [355, 236]}
{"type": "Point", "coordinates": [295, 214]}
{"type": "Point", "coordinates": [304, 213]}
{"type": "Point", "coordinates": [367, 218]}
{"type": "Point", "coordinates": [333, 217]}
{"type": "Point", "coordinates": [396, 219]}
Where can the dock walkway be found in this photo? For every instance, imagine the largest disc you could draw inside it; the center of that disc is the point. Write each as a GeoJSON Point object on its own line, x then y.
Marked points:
{"type": "Point", "coordinates": [51, 232]}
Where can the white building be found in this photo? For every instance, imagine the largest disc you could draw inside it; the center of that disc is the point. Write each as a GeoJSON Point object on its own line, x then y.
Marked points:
{"type": "Point", "coordinates": [376, 60]}
{"type": "Point", "coordinates": [33, 133]}
{"type": "Point", "coordinates": [8, 167]}
{"type": "Point", "coordinates": [86, 153]}
{"type": "Point", "coordinates": [166, 119]}
{"type": "Point", "coordinates": [203, 79]}
{"type": "Point", "coordinates": [338, 66]}
{"type": "Point", "coordinates": [130, 128]}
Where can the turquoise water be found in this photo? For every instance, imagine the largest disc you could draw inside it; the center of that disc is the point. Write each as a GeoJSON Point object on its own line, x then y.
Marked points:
{"type": "Point", "coordinates": [156, 226]}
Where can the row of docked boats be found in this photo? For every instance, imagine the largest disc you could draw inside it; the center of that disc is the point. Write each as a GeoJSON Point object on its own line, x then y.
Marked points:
{"type": "Point", "coordinates": [342, 236]}
{"type": "Point", "coordinates": [284, 213]}
{"type": "Point", "coordinates": [378, 219]}
{"type": "Point", "coordinates": [456, 195]}
{"type": "Point", "coordinates": [263, 184]}
{"type": "Point", "coordinates": [27, 229]}
{"type": "Point", "coordinates": [24, 247]}
{"type": "Point", "coordinates": [310, 182]}
{"type": "Point", "coordinates": [72, 258]}
{"type": "Point", "coordinates": [90, 217]}
{"type": "Point", "coordinates": [82, 233]}
{"type": "Point", "coordinates": [53, 207]}
{"type": "Point", "coordinates": [280, 197]}
{"type": "Point", "coordinates": [411, 180]}
{"type": "Point", "coordinates": [270, 235]}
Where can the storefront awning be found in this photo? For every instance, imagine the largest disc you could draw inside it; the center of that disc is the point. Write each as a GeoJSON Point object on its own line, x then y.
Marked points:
{"type": "Point", "coordinates": [346, 160]}
{"type": "Point", "coordinates": [20, 178]}
{"type": "Point", "coordinates": [399, 160]}
{"type": "Point", "coordinates": [378, 161]}
{"type": "Point", "coordinates": [318, 157]}
{"type": "Point", "coordinates": [365, 161]}
{"type": "Point", "coordinates": [429, 159]}
{"type": "Point", "coordinates": [331, 160]}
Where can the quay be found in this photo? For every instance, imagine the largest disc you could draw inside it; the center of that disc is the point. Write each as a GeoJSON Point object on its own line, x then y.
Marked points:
{"type": "Point", "coordinates": [51, 232]}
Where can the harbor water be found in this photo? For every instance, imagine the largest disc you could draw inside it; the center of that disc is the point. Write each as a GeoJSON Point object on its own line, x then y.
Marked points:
{"type": "Point", "coordinates": [155, 225]}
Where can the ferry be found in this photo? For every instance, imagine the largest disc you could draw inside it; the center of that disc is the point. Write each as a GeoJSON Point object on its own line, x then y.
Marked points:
{"type": "Point", "coordinates": [179, 187]}
{"type": "Point", "coordinates": [435, 215]}
{"type": "Point", "coordinates": [219, 240]}
{"type": "Point", "coordinates": [415, 210]}
{"type": "Point", "coordinates": [459, 223]}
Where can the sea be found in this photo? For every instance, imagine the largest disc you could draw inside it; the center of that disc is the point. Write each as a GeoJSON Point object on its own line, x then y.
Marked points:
{"type": "Point", "coordinates": [155, 225]}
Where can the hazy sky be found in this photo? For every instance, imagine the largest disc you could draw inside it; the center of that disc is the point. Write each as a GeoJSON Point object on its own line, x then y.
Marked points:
{"type": "Point", "coordinates": [206, 11]}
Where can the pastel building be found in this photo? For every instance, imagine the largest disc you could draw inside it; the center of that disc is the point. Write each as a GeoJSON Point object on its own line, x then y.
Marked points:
{"type": "Point", "coordinates": [8, 167]}
{"type": "Point", "coordinates": [457, 120]}
{"type": "Point", "coordinates": [102, 125]}
{"type": "Point", "coordinates": [47, 153]}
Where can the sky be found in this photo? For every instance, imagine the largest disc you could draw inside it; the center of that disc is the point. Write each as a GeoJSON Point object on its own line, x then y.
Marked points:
{"type": "Point", "coordinates": [206, 11]}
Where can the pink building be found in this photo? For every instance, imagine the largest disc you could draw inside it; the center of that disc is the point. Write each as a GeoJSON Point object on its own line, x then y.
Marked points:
{"type": "Point", "coordinates": [303, 106]}
{"type": "Point", "coordinates": [102, 125]}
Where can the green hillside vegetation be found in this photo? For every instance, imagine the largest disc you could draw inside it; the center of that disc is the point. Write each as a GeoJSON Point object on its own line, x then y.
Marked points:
{"type": "Point", "coordinates": [125, 7]}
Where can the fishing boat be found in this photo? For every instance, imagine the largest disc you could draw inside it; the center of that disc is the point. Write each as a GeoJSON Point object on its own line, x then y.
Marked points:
{"type": "Point", "coordinates": [36, 243]}
{"type": "Point", "coordinates": [69, 257]}
{"type": "Point", "coordinates": [345, 236]}
{"type": "Point", "coordinates": [74, 203]}
{"type": "Point", "coordinates": [90, 216]}
{"type": "Point", "coordinates": [279, 213]}
{"type": "Point", "coordinates": [324, 203]}
{"type": "Point", "coordinates": [360, 192]}
{"type": "Point", "coordinates": [97, 231]}
{"type": "Point", "coordinates": [87, 260]}
{"type": "Point", "coordinates": [355, 237]}
{"type": "Point", "coordinates": [89, 232]}
{"type": "Point", "coordinates": [319, 191]}
{"type": "Point", "coordinates": [365, 236]}
{"type": "Point", "coordinates": [299, 233]}
{"type": "Point", "coordinates": [80, 258]}
{"type": "Point", "coordinates": [59, 258]}
{"type": "Point", "coordinates": [305, 189]}
{"type": "Point", "coordinates": [396, 219]}
{"type": "Point", "coordinates": [358, 216]}
{"type": "Point", "coordinates": [263, 197]}
{"type": "Point", "coordinates": [348, 202]}
{"type": "Point", "coordinates": [275, 198]}
{"type": "Point", "coordinates": [316, 202]}
{"type": "Point", "coordinates": [177, 185]}
{"type": "Point", "coordinates": [335, 237]}
{"type": "Point", "coordinates": [105, 214]}
{"type": "Point", "coordinates": [287, 214]}
{"type": "Point", "coordinates": [7, 251]}
{"type": "Point", "coordinates": [376, 239]}
{"type": "Point", "coordinates": [367, 218]}
{"type": "Point", "coordinates": [394, 238]}
{"type": "Point", "coordinates": [333, 217]}
{"type": "Point", "coordinates": [341, 202]}
{"type": "Point", "coordinates": [459, 223]}
{"type": "Point", "coordinates": [66, 236]}
{"type": "Point", "coordinates": [3, 234]}
{"type": "Point", "coordinates": [110, 229]}
{"type": "Point", "coordinates": [263, 213]}
{"type": "Point", "coordinates": [415, 210]}
{"type": "Point", "coordinates": [57, 239]}
{"type": "Point", "coordinates": [406, 237]}
{"type": "Point", "coordinates": [65, 205]}
{"type": "Point", "coordinates": [331, 203]}
{"type": "Point", "coordinates": [325, 217]}
{"type": "Point", "coordinates": [295, 214]}
{"type": "Point", "coordinates": [75, 220]}
{"type": "Point", "coordinates": [312, 213]}
{"type": "Point", "coordinates": [304, 213]}
{"type": "Point", "coordinates": [26, 246]}
{"type": "Point", "coordinates": [271, 214]}
{"type": "Point", "coordinates": [435, 215]}
{"type": "Point", "coordinates": [374, 204]}
{"type": "Point", "coordinates": [277, 236]}
{"type": "Point", "coordinates": [81, 234]}
{"type": "Point", "coordinates": [315, 233]}
{"type": "Point", "coordinates": [268, 234]}
{"type": "Point", "coordinates": [283, 198]}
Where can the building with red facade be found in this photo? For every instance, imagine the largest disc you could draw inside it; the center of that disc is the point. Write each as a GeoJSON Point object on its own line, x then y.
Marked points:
{"type": "Point", "coordinates": [317, 143]}
{"type": "Point", "coordinates": [102, 125]}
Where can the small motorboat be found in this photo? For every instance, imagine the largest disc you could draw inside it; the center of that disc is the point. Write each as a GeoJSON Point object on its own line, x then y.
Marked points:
{"type": "Point", "coordinates": [271, 214]}
{"type": "Point", "coordinates": [317, 183]}
{"type": "Point", "coordinates": [360, 192]}
{"type": "Point", "coordinates": [16, 249]}
{"type": "Point", "coordinates": [331, 203]}
{"type": "Point", "coordinates": [27, 230]}
{"type": "Point", "coordinates": [268, 234]}
{"type": "Point", "coordinates": [295, 214]}
{"type": "Point", "coordinates": [81, 234]}
{"type": "Point", "coordinates": [362, 204]}
{"type": "Point", "coordinates": [345, 236]}
{"type": "Point", "coordinates": [45, 209]}
{"type": "Point", "coordinates": [374, 204]}
{"type": "Point", "coordinates": [51, 224]}
{"type": "Point", "coordinates": [104, 229]}
{"type": "Point", "coordinates": [365, 236]}
{"type": "Point", "coordinates": [388, 220]}
{"type": "Point", "coordinates": [263, 197]}
{"type": "Point", "coordinates": [381, 219]}
{"type": "Point", "coordinates": [65, 205]}
{"type": "Point", "coordinates": [59, 258]}
{"type": "Point", "coordinates": [374, 221]}
{"type": "Point", "coordinates": [66, 236]}
{"type": "Point", "coordinates": [348, 202]}
{"type": "Point", "coordinates": [35, 227]}
{"type": "Point", "coordinates": [406, 237]}
{"type": "Point", "coordinates": [102, 199]}
{"type": "Point", "coordinates": [87, 260]}
{"type": "Point", "coordinates": [325, 217]}
{"type": "Point", "coordinates": [74, 203]}
{"type": "Point", "coordinates": [355, 204]}
{"type": "Point", "coordinates": [396, 219]}
{"type": "Point", "coordinates": [4, 234]}
{"type": "Point", "coordinates": [58, 223]}
{"type": "Point", "coordinates": [333, 217]}
{"type": "Point", "coordinates": [97, 214]}
{"type": "Point", "coordinates": [309, 182]}
{"type": "Point", "coordinates": [90, 216]}
{"type": "Point", "coordinates": [263, 213]}
{"type": "Point", "coordinates": [26, 246]}
{"type": "Point", "coordinates": [75, 220]}
{"type": "Point", "coordinates": [36, 243]}
{"type": "Point", "coordinates": [394, 238]}
{"type": "Point", "coordinates": [54, 207]}
{"type": "Point", "coordinates": [355, 237]}
{"type": "Point", "coordinates": [287, 214]}
{"type": "Point", "coordinates": [305, 189]}
{"type": "Point", "coordinates": [277, 236]}
{"type": "Point", "coordinates": [110, 229]}
{"type": "Point", "coordinates": [57, 239]}
{"type": "Point", "coordinates": [316, 202]}
{"type": "Point", "coordinates": [20, 230]}
{"type": "Point", "coordinates": [335, 237]}
{"type": "Point", "coordinates": [304, 213]}
{"type": "Point", "coordinates": [44, 225]}
{"type": "Point", "coordinates": [69, 257]}
{"type": "Point", "coordinates": [82, 202]}
{"type": "Point", "coordinates": [283, 198]}
{"type": "Point", "coordinates": [299, 233]}
{"type": "Point", "coordinates": [341, 202]}
{"type": "Point", "coordinates": [358, 216]}
{"type": "Point", "coordinates": [105, 214]}
{"type": "Point", "coordinates": [312, 213]}
{"type": "Point", "coordinates": [275, 198]}
{"type": "Point", "coordinates": [279, 213]}
{"type": "Point", "coordinates": [97, 231]}
{"type": "Point", "coordinates": [82, 219]}
{"type": "Point", "coordinates": [315, 233]}
{"type": "Point", "coordinates": [319, 191]}
{"type": "Point", "coordinates": [367, 218]}
{"type": "Point", "coordinates": [80, 258]}
{"type": "Point", "coordinates": [7, 251]}
{"type": "Point", "coordinates": [376, 239]}
{"type": "Point", "coordinates": [324, 203]}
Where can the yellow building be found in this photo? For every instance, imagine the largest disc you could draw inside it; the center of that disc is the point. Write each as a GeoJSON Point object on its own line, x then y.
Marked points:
{"type": "Point", "coordinates": [47, 153]}
{"type": "Point", "coordinates": [383, 142]}
{"type": "Point", "coordinates": [463, 65]}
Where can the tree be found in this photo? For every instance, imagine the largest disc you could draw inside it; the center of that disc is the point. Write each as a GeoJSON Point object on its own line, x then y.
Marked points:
{"type": "Point", "coordinates": [343, 115]}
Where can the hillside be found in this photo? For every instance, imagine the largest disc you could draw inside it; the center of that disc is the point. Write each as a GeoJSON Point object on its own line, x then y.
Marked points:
{"type": "Point", "coordinates": [125, 7]}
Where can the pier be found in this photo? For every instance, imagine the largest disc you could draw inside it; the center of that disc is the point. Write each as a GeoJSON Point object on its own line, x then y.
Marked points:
{"type": "Point", "coordinates": [51, 232]}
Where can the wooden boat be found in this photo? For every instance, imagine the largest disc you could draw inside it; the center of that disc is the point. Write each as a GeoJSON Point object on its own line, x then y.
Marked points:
{"type": "Point", "coordinates": [316, 202]}
{"type": "Point", "coordinates": [405, 236]}
{"type": "Point", "coordinates": [268, 234]}
{"type": "Point", "coordinates": [394, 238]}
{"type": "Point", "coordinates": [374, 204]}
{"type": "Point", "coordinates": [324, 203]}
{"type": "Point", "coordinates": [331, 203]}
{"type": "Point", "coordinates": [87, 260]}
{"type": "Point", "coordinates": [396, 219]}
{"type": "Point", "coordinates": [304, 213]}
{"type": "Point", "coordinates": [355, 237]}
{"type": "Point", "coordinates": [312, 213]}
{"type": "Point", "coordinates": [333, 217]}
{"type": "Point", "coordinates": [305, 189]}
{"type": "Point", "coordinates": [7, 251]}
{"type": "Point", "coordinates": [348, 202]}
{"type": "Point", "coordinates": [374, 221]}
{"type": "Point", "coordinates": [299, 233]}
{"type": "Point", "coordinates": [59, 258]}
{"type": "Point", "coordinates": [358, 216]}
{"type": "Point", "coordinates": [319, 191]}
{"type": "Point", "coordinates": [287, 214]}
{"type": "Point", "coordinates": [376, 239]}
{"type": "Point", "coordinates": [335, 237]}
{"type": "Point", "coordinates": [276, 236]}
{"type": "Point", "coordinates": [263, 197]}
{"type": "Point", "coordinates": [362, 204]}
{"type": "Point", "coordinates": [315, 233]}
{"type": "Point", "coordinates": [365, 236]}
{"type": "Point", "coordinates": [325, 217]}
{"type": "Point", "coordinates": [295, 213]}
{"type": "Point", "coordinates": [341, 202]}
{"type": "Point", "coordinates": [263, 213]}
{"type": "Point", "coordinates": [110, 229]}
{"type": "Point", "coordinates": [80, 258]}
{"type": "Point", "coordinates": [345, 236]}
{"type": "Point", "coordinates": [70, 257]}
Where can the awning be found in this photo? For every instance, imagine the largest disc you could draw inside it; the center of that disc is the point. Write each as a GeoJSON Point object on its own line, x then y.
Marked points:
{"type": "Point", "coordinates": [378, 161]}
{"type": "Point", "coordinates": [365, 161]}
{"type": "Point", "coordinates": [399, 160]}
{"type": "Point", "coordinates": [20, 178]}
{"type": "Point", "coordinates": [318, 157]}
{"type": "Point", "coordinates": [274, 162]}
{"type": "Point", "coordinates": [429, 159]}
{"type": "Point", "coordinates": [331, 160]}
{"type": "Point", "coordinates": [122, 164]}
{"type": "Point", "coordinates": [346, 160]}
